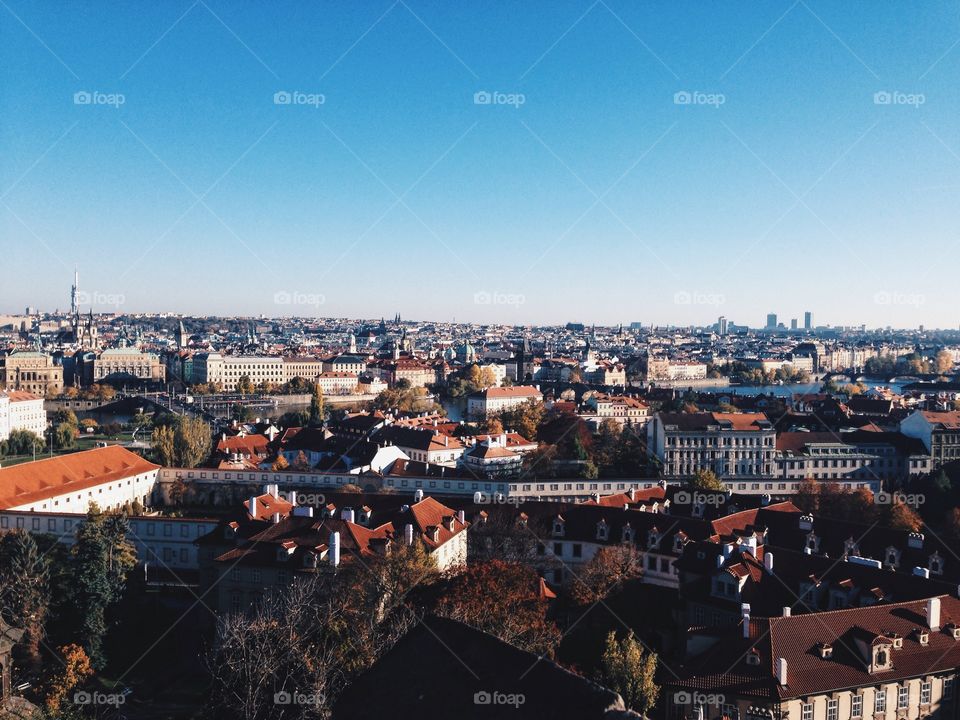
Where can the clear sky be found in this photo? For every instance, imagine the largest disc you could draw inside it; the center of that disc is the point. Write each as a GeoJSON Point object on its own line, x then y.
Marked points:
{"type": "Point", "coordinates": [586, 189]}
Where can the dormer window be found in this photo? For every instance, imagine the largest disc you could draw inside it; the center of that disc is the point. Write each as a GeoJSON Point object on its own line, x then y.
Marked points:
{"type": "Point", "coordinates": [753, 657]}
{"type": "Point", "coordinates": [603, 530]}
{"type": "Point", "coordinates": [923, 636]}
{"type": "Point", "coordinates": [435, 533]}
{"type": "Point", "coordinates": [653, 538]}
{"type": "Point", "coordinates": [697, 510]}
{"type": "Point", "coordinates": [896, 639]}
{"type": "Point", "coordinates": [850, 547]}
{"type": "Point", "coordinates": [677, 543]}
{"type": "Point", "coordinates": [558, 527]}
{"type": "Point", "coordinates": [954, 630]}
{"type": "Point", "coordinates": [825, 649]}
{"type": "Point", "coordinates": [893, 556]}
{"type": "Point", "coordinates": [881, 658]}
{"type": "Point", "coordinates": [813, 543]}
{"type": "Point", "coordinates": [936, 565]}
{"type": "Point", "coordinates": [626, 535]}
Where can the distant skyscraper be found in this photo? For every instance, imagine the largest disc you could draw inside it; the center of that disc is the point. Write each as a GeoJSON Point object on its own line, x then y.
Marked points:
{"type": "Point", "coordinates": [793, 324]}
{"type": "Point", "coordinates": [722, 325]}
{"type": "Point", "coordinates": [808, 320]}
{"type": "Point", "coordinates": [771, 320]}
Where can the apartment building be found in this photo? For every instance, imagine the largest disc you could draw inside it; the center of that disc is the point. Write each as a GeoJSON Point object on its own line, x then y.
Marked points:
{"type": "Point", "coordinates": [21, 411]}
{"type": "Point", "coordinates": [732, 445]}
{"type": "Point", "coordinates": [228, 369]}
{"type": "Point", "coordinates": [497, 399]}
{"type": "Point", "coordinates": [938, 431]}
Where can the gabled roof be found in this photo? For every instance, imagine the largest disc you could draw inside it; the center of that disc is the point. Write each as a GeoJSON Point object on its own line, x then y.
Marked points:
{"type": "Point", "coordinates": [35, 481]}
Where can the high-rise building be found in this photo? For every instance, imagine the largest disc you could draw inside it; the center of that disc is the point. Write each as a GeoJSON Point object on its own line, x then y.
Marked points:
{"type": "Point", "coordinates": [808, 320]}
{"type": "Point", "coordinates": [771, 320]}
{"type": "Point", "coordinates": [793, 324]}
{"type": "Point", "coordinates": [722, 325]}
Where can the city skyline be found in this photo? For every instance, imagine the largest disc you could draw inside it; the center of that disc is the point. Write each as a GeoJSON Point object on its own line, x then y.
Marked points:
{"type": "Point", "coordinates": [674, 164]}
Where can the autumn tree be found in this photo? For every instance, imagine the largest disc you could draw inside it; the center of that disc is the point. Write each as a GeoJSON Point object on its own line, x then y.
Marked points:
{"type": "Point", "coordinates": [606, 571]}
{"type": "Point", "coordinates": [244, 385]}
{"type": "Point", "coordinates": [280, 463]}
{"type": "Point", "coordinates": [901, 516]}
{"type": "Point", "coordinates": [707, 480]}
{"type": "Point", "coordinates": [501, 598]}
{"type": "Point", "coordinates": [317, 407]}
{"type": "Point", "coordinates": [75, 669]}
{"type": "Point", "coordinates": [524, 419]}
{"type": "Point", "coordinates": [627, 669]}
{"type": "Point", "coordinates": [192, 442]}
{"type": "Point", "coordinates": [943, 362]}
{"type": "Point", "coordinates": [25, 575]}
{"type": "Point", "coordinates": [163, 445]}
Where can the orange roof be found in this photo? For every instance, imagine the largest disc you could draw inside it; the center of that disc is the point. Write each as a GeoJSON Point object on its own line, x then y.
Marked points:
{"type": "Point", "coordinates": [267, 505]}
{"type": "Point", "coordinates": [510, 392]}
{"type": "Point", "coordinates": [33, 481]}
{"type": "Point", "coordinates": [20, 396]}
{"type": "Point", "coordinates": [742, 421]}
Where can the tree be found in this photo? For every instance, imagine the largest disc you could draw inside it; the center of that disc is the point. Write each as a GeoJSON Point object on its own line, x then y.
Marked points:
{"type": "Point", "coordinates": [524, 419]}
{"type": "Point", "coordinates": [64, 436]}
{"type": "Point", "coordinates": [76, 668]}
{"type": "Point", "coordinates": [163, 445]}
{"type": "Point", "coordinates": [317, 407]}
{"type": "Point", "coordinates": [192, 442]}
{"type": "Point", "coordinates": [501, 598]}
{"type": "Point", "coordinates": [68, 417]}
{"type": "Point", "coordinates": [102, 558]}
{"type": "Point", "coordinates": [24, 442]}
{"type": "Point", "coordinates": [707, 480]}
{"type": "Point", "coordinates": [901, 516]}
{"type": "Point", "coordinates": [607, 570]}
{"type": "Point", "coordinates": [628, 670]}
{"type": "Point", "coordinates": [25, 573]}
{"type": "Point", "coordinates": [294, 418]}
{"type": "Point", "coordinates": [244, 385]}
{"type": "Point", "coordinates": [807, 497]}
{"type": "Point", "coordinates": [943, 362]}
{"type": "Point", "coordinates": [280, 463]}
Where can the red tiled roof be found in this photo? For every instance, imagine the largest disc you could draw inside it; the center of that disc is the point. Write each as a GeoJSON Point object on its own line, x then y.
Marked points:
{"type": "Point", "coordinates": [34, 481]}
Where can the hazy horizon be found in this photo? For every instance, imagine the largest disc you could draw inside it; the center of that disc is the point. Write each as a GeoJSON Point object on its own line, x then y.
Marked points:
{"type": "Point", "coordinates": [537, 165]}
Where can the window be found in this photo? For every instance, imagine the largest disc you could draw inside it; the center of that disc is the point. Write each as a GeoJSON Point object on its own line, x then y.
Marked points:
{"type": "Point", "coordinates": [948, 688]}
{"type": "Point", "coordinates": [558, 549]}
{"type": "Point", "coordinates": [806, 711]}
{"type": "Point", "coordinates": [856, 706]}
{"type": "Point", "coordinates": [880, 701]}
{"type": "Point", "coordinates": [925, 692]}
{"type": "Point", "coordinates": [903, 696]}
{"type": "Point", "coordinates": [577, 550]}
{"type": "Point", "coordinates": [833, 709]}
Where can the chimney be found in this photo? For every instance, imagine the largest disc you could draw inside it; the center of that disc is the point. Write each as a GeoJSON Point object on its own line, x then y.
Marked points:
{"type": "Point", "coordinates": [461, 516]}
{"type": "Point", "coordinates": [253, 506]}
{"type": "Point", "coordinates": [782, 671]}
{"type": "Point", "coordinates": [333, 553]}
{"type": "Point", "coordinates": [632, 494]}
{"type": "Point", "coordinates": [292, 497]}
{"type": "Point", "coordinates": [745, 614]}
{"type": "Point", "coordinates": [768, 560]}
{"type": "Point", "coordinates": [408, 534]}
{"type": "Point", "coordinates": [347, 515]}
{"type": "Point", "coordinates": [275, 518]}
{"type": "Point", "coordinates": [418, 495]}
{"type": "Point", "coordinates": [786, 611]}
{"type": "Point", "coordinates": [933, 614]}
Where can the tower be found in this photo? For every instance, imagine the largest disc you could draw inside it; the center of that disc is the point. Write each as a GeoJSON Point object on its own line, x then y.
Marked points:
{"type": "Point", "coordinates": [75, 294]}
{"type": "Point", "coordinates": [181, 336]}
{"type": "Point", "coordinates": [353, 344]}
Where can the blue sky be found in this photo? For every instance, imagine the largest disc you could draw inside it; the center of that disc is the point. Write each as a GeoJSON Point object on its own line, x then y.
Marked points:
{"type": "Point", "coordinates": [587, 189]}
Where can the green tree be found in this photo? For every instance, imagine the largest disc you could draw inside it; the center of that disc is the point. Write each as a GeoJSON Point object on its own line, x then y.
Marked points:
{"type": "Point", "coordinates": [64, 436]}
{"type": "Point", "coordinates": [628, 670]}
{"type": "Point", "coordinates": [25, 574]}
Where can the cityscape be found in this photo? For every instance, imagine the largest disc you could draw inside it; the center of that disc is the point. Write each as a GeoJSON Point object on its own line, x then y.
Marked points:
{"type": "Point", "coordinates": [556, 361]}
